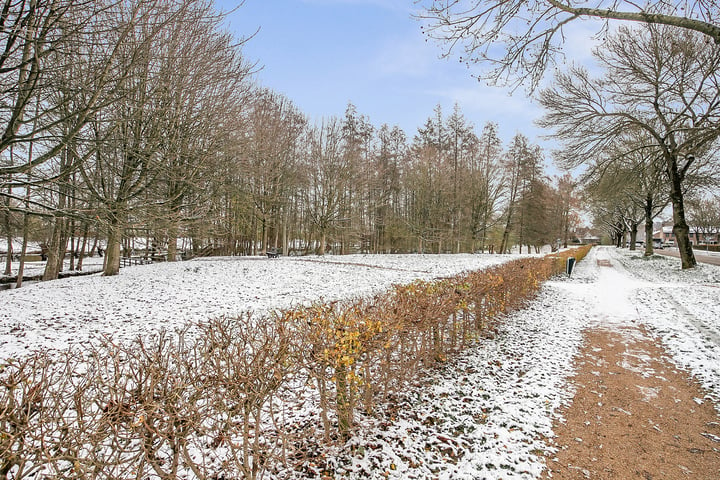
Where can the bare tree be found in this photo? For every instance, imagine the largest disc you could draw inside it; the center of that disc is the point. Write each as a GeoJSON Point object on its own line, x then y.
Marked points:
{"type": "Point", "coordinates": [34, 39]}
{"type": "Point", "coordinates": [357, 145]}
{"type": "Point", "coordinates": [388, 163]}
{"type": "Point", "coordinates": [704, 213]}
{"type": "Point", "coordinates": [269, 161]}
{"type": "Point", "coordinates": [522, 169]}
{"type": "Point", "coordinates": [57, 60]}
{"type": "Point", "coordinates": [429, 184]}
{"type": "Point", "coordinates": [205, 87]}
{"type": "Point", "coordinates": [137, 136]}
{"type": "Point", "coordinates": [659, 81]}
{"type": "Point", "coordinates": [566, 199]}
{"type": "Point", "coordinates": [47, 97]}
{"type": "Point", "coordinates": [463, 146]}
{"type": "Point", "coordinates": [518, 39]}
{"type": "Point", "coordinates": [485, 188]}
{"type": "Point", "coordinates": [330, 175]}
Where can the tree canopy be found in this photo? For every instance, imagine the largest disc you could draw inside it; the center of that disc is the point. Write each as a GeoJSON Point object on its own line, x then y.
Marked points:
{"type": "Point", "coordinates": [515, 41]}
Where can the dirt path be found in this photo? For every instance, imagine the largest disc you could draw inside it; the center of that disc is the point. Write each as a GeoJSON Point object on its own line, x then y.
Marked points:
{"type": "Point", "coordinates": [634, 416]}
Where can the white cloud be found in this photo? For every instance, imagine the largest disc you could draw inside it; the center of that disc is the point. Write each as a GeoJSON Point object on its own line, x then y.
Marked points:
{"type": "Point", "coordinates": [487, 99]}
{"type": "Point", "coordinates": [407, 56]}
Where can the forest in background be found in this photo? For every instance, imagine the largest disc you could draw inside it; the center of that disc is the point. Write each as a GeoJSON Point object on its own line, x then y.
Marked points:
{"type": "Point", "coordinates": [143, 119]}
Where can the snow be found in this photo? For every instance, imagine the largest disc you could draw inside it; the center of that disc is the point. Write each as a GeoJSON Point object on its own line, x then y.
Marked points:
{"type": "Point", "coordinates": [147, 298]}
{"type": "Point", "coordinates": [17, 246]}
{"type": "Point", "coordinates": [487, 413]}
{"type": "Point", "coordinates": [498, 400]}
{"type": "Point", "coordinates": [36, 268]}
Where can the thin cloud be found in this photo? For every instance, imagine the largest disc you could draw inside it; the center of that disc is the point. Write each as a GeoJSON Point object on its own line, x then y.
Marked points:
{"type": "Point", "coordinates": [407, 56]}
{"type": "Point", "coordinates": [394, 5]}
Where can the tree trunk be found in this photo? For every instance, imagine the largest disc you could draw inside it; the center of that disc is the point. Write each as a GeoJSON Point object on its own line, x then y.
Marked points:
{"type": "Point", "coordinates": [111, 265]}
{"type": "Point", "coordinates": [264, 239]}
{"type": "Point", "coordinates": [680, 226]}
{"type": "Point", "coordinates": [83, 246]}
{"type": "Point", "coordinates": [323, 239]}
{"type": "Point", "coordinates": [56, 250]}
{"type": "Point", "coordinates": [6, 224]}
{"type": "Point", "coordinates": [504, 244]}
{"type": "Point", "coordinates": [23, 251]}
{"type": "Point", "coordinates": [8, 259]}
{"type": "Point", "coordinates": [172, 241]}
{"type": "Point", "coordinates": [73, 247]}
{"type": "Point", "coordinates": [633, 235]}
{"type": "Point", "coordinates": [58, 242]}
{"type": "Point", "coordinates": [648, 226]}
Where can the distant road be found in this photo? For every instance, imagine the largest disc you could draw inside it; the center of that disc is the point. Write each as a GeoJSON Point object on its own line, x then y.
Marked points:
{"type": "Point", "coordinates": [700, 256]}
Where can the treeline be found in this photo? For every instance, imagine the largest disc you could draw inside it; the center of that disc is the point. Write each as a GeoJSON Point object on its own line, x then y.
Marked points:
{"type": "Point", "coordinates": [140, 118]}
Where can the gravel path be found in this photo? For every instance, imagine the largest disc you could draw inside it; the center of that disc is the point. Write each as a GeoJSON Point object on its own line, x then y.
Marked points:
{"type": "Point", "coordinates": [636, 414]}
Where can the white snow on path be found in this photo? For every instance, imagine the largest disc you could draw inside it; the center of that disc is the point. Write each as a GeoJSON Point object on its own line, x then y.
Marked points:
{"type": "Point", "coordinates": [682, 308]}
{"type": "Point", "coordinates": [489, 413]}
{"type": "Point", "coordinates": [144, 299]}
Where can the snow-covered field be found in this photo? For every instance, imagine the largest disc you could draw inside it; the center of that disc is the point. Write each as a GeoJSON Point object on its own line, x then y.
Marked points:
{"type": "Point", "coordinates": [485, 414]}
{"type": "Point", "coordinates": [145, 298]}
{"type": "Point", "coordinates": [36, 268]}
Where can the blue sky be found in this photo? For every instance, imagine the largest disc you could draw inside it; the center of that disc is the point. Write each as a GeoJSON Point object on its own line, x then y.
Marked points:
{"type": "Point", "coordinates": [323, 54]}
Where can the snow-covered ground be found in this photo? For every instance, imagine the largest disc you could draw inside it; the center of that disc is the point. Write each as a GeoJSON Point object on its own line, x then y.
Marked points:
{"type": "Point", "coordinates": [36, 268]}
{"type": "Point", "coordinates": [485, 414]}
{"type": "Point", "coordinates": [683, 309]}
{"type": "Point", "coordinates": [146, 298]}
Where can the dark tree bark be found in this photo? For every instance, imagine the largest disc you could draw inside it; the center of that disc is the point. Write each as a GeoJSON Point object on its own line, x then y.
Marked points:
{"type": "Point", "coordinates": [680, 226]}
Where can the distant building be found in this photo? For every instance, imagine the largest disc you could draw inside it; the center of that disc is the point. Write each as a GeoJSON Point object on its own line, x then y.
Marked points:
{"type": "Point", "coordinates": [698, 235]}
{"type": "Point", "coordinates": [590, 240]}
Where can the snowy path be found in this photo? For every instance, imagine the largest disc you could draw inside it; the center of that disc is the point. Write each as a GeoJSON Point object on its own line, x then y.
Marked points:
{"type": "Point", "coordinates": [635, 414]}
{"type": "Point", "coordinates": [681, 307]}
{"type": "Point", "coordinates": [489, 413]}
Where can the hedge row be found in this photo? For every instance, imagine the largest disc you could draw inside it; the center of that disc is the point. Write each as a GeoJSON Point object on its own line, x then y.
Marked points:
{"type": "Point", "coordinates": [214, 400]}
{"type": "Point", "coordinates": [368, 350]}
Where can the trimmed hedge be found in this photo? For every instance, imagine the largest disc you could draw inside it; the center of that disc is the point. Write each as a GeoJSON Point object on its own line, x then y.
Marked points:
{"type": "Point", "coordinates": [369, 349]}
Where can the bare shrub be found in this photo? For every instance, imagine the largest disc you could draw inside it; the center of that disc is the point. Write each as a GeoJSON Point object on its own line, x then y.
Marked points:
{"type": "Point", "coordinates": [23, 388]}
{"type": "Point", "coordinates": [246, 362]}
